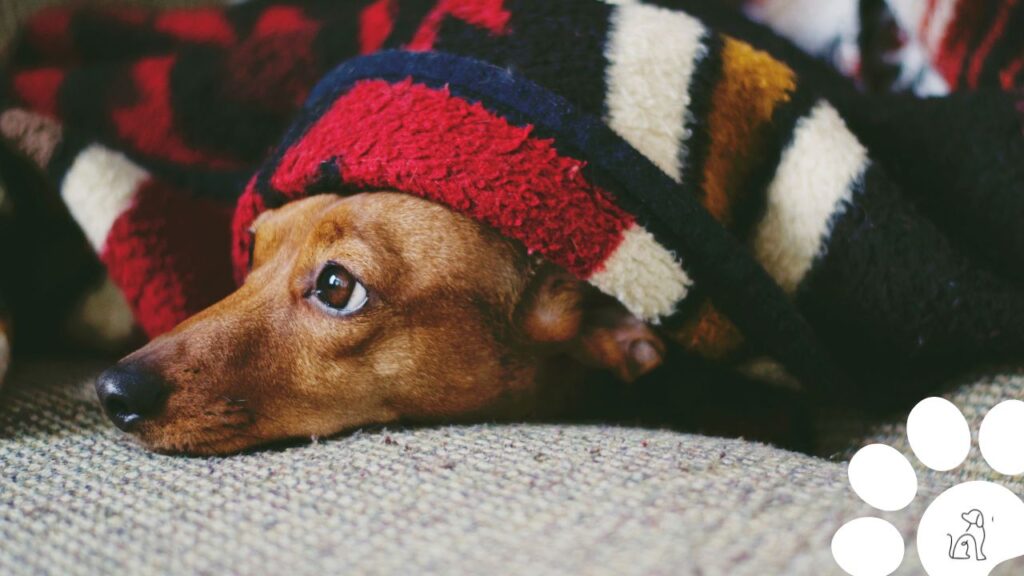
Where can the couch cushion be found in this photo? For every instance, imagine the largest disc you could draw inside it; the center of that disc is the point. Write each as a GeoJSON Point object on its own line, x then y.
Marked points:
{"type": "Point", "coordinates": [78, 497]}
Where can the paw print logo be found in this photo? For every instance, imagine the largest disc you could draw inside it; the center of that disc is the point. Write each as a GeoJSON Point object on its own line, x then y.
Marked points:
{"type": "Point", "coordinates": [967, 530]}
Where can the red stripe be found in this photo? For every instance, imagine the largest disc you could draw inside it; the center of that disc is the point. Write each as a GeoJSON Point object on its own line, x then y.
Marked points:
{"type": "Point", "coordinates": [206, 26]}
{"type": "Point", "coordinates": [39, 88]}
{"type": "Point", "coordinates": [488, 14]}
{"type": "Point", "coordinates": [375, 24]}
{"type": "Point", "coordinates": [1008, 76]}
{"type": "Point", "coordinates": [283, 20]}
{"type": "Point", "coordinates": [425, 142]}
{"type": "Point", "coordinates": [983, 50]}
{"type": "Point", "coordinates": [148, 125]}
{"type": "Point", "coordinates": [168, 253]}
{"type": "Point", "coordinates": [966, 20]}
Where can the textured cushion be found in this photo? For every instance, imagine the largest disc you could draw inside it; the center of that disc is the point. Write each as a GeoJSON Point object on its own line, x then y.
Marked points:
{"type": "Point", "coordinates": [77, 497]}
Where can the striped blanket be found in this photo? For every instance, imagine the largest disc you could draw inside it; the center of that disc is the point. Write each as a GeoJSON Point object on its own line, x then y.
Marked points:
{"type": "Point", "coordinates": [930, 47]}
{"type": "Point", "coordinates": [718, 181]}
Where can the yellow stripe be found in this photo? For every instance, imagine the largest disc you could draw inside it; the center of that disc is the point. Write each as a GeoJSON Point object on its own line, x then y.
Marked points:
{"type": "Point", "coordinates": [752, 86]}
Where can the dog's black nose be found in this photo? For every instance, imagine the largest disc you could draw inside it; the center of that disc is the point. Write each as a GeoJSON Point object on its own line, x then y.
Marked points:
{"type": "Point", "coordinates": [130, 394]}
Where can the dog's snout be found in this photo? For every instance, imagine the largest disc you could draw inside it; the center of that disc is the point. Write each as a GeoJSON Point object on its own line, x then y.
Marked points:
{"type": "Point", "coordinates": [130, 394]}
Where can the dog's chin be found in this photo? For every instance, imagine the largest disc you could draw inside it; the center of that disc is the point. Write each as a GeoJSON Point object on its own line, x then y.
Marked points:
{"type": "Point", "coordinates": [202, 447]}
{"type": "Point", "coordinates": [198, 443]}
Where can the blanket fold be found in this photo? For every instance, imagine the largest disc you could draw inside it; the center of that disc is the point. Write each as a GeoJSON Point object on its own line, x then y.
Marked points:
{"type": "Point", "coordinates": [717, 181]}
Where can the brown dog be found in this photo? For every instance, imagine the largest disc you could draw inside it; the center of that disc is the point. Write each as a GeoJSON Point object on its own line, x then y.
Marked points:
{"type": "Point", "coordinates": [371, 309]}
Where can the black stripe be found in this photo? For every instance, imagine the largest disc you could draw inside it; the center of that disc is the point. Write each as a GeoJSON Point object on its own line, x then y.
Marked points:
{"type": "Point", "coordinates": [70, 146]}
{"type": "Point", "coordinates": [87, 95]}
{"type": "Point", "coordinates": [209, 116]}
{"type": "Point", "coordinates": [1009, 47]}
{"type": "Point", "coordinates": [327, 179]}
{"type": "Point", "coordinates": [888, 311]}
{"type": "Point", "coordinates": [100, 37]}
{"type": "Point", "coordinates": [693, 152]}
{"type": "Point", "coordinates": [338, 38]}
{"type": "Point", "coordinates": [410, 15]}
{"type": "Point", "coordinates": [46, 259]}
{"type": "Point", "coordinates": [688, 308]}
{"type": "Point", "coordinates": [559, 45]}
{"type": "Point", "coordinates": [752, 195]}
{"type": "Point", "coordinates": [7, 99]}
{"type": "Point", "coordinates": [215, 185]}
{"type": "Point", "coordinates": [875, 41]}
{"type": "Point", "coordinates": [979, 33]}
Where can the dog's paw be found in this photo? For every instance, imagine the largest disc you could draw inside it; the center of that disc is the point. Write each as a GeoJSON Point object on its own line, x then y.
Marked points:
{"type": "Point", "coordinates": [968, 529]}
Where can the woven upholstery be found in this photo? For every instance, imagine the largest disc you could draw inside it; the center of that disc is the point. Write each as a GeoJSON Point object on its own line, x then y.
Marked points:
{"type": "Point", "coordinates": [77, 497]}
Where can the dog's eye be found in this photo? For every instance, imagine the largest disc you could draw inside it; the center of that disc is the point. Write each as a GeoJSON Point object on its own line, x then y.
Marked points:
{"type": "Point", "coordinates": [338, 290]}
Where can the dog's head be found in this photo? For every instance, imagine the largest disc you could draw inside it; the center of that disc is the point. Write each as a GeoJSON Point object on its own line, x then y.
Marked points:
{"type": "Point", "coordinates": [370, 309]}
{"type": "Point", "coordinates": [974, 517]}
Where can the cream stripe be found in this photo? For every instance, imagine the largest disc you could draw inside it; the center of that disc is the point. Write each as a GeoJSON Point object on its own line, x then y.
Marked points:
{"type": "Point", "coordinates": [813, 25]}
{"type": "Point", "coordinates": [936, 32]}
{"type": "Point", "coordinates": [643, 275]}
{"type": "Point", "coordinates": [813, 184]}
{"type": "Point", "coordinates": [652, 53]}
{"type": "Point", "coordinates": [909, 14]}
{"type": "Point", "coordinates": [98, 188]}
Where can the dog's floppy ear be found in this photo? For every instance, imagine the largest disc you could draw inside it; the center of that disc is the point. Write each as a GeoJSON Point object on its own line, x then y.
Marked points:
{"type": "Point", "coordinates": [974, 517]}
{"type": "Point", "coordinates": [591, 327]}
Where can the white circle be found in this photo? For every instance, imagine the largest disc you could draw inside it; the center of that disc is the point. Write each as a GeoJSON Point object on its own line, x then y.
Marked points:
{"type": "Point", "coordinates": [938, 434]}
{"type": "Point", "coordinates": [868, 547]}
{"type": "Point", "coordinates": [882, 477]}
{"type": "Point", "coordinates": [1001, 437]}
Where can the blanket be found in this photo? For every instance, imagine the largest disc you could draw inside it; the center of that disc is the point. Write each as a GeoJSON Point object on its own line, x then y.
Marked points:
{"type": "Point", "coordinates": [930, 47]}
{"type": "Point", "coordinates": [714, 178]}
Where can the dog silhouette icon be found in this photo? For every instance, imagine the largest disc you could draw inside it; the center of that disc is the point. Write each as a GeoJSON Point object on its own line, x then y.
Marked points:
{"type": "Point", "coordinates": [970, 544]}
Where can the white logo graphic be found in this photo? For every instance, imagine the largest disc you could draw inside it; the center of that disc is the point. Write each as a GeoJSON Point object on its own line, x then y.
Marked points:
{"type": "Point", "coordinates": [967, 530]}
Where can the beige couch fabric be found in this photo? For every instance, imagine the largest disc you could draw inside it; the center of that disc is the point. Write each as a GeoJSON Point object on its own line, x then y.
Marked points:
{"type": "Point", "coordinates": [78, 497]}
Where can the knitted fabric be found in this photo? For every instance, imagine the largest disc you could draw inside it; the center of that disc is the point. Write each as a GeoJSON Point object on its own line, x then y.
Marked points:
{"type": "Point", "coordinates": [727, 195]}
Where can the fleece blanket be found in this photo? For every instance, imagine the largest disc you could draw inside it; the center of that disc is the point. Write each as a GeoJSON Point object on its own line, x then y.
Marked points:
{"type": "Point", "coordinates": [714, 178]}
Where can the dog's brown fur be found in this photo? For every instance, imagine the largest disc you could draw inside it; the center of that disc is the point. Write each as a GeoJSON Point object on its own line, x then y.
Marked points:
{"type": "Point", "coordinates": [460, 323]}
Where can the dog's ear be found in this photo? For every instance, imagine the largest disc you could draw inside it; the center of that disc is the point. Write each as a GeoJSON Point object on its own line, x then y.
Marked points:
{"type": "Point", "coordinates": [597, 330]}
{"type": "Point", "coordinates": [974, 517]}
